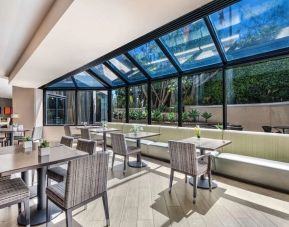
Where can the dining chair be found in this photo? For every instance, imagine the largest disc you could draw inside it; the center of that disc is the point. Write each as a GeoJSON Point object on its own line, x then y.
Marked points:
{"type": "Point", "coordinates": [15, 191]}
{"type": "Point", "coordinates": [19, 136]}
{"type": "Point", "coordinates": [184, 159]}
{"type": "Point", "coordinates": [67, 131]}
{"type": "Point", "coordinates": [58, 173]}
{"type": "Point", "coordinates": [86, 134]}
{"type": "Point", "coordinates": [82, 185]}
{"type": "Point", "coordinates": [120, 147]}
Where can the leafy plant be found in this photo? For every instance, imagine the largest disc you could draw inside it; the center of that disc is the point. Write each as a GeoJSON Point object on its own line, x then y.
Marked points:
{"type": "Point", "coordinates": [44, 144]}
{"type": "Point", "coordinates": [171, 116]}
{"type": "Point", "coordinates": [157, 115]}
{"type": "Point", "coordinates": [194, 114]}
{"type": "Point", "coordinates": [185, 116]}
{"type": "Point", "coordinates": [27, 138]}
{"type": "Point", "coordinates": [206, 116]}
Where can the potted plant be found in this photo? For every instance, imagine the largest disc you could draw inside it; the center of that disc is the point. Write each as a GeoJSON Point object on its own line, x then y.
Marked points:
{"type": "Point", "coordinates": [206, 116]}
{"type": "Point", "coordinates": [136, 129]}
{"type": "Point", "coordinates": [44, 148]}
{"type": "Point", "coordinates": [104, 124]}
{"type": "Point", "coordinates": [27, 143]}
{"type": "Point", "coordinates": [198, 132]}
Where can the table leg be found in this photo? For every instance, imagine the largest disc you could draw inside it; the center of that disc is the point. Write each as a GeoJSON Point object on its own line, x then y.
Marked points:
{"type": "Point", "coordinates": [38, 213]}
{"type": "Point", "coordinates": [138, 163]}
{"type": "Point", "coordinates": [11, 138]}
{"type": "Point", "coordinates": [203, 181]}
{"type": "Point", "coordinates": [104, 141]}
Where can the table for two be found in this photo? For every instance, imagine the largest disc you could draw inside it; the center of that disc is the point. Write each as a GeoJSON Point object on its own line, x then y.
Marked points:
{"type": "Point", "coordinates": [11, 132]}
{"type": "Point", "coordinates": [15, 159]}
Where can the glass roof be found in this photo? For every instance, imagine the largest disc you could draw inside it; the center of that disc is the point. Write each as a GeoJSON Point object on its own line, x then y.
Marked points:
{"type": "Point", "coordinates": [84, 80]}
{"type": "Point", "coordinates": [192, 46]}
{"type": "Point", "coordinates": [252, 27]}
{"type": "Point", "coordinates": [107, 75]}
{"type": "Point", "coordinates": [66, 83]}
{"type": "Point", "coordinates": [153, 60]}
{"type": "Point", "coordinates": [245, 29]}
{"type": "Point", "coordinates": [126, 68]}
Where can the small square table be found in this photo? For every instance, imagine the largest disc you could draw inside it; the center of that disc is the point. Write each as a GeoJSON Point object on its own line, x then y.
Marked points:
{"type": "Point", "coordinates": [210, 145]}
{"type": "Point", "coordinates": [138, 136]}
{"type": "Point", "coordinates": [15, 159]}
{"type": "Point", "coordinates": [11, 132]}
{"type": "Point", "coordinates": [104, 131]}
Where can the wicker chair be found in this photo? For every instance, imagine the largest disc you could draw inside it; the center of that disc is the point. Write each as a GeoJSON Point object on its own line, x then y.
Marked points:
{"type": "Point", "coordinates": [67, 131]}
{"type": "Point", "coordinates": [14, 191]}
{"type": "Point", "coordinates": [184, 159]}
{"type": "Point", "coordinates": [82, 185]}
{"type": "Point", "coordinates": [120, 147]}
{"type": "Point", "coordinates": [58, 173]}
{"type": "Point", "coordinates": [86, 134]}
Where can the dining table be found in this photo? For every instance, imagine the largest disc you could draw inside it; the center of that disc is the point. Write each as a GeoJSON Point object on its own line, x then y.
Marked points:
{"type": "Point", "coordinates": [104, 132]}
{"type": "Point", "coordinates": [11, 131]}
{"type": "Point", "coordinates": [206, 145]}
{"type": "Point", "coordinates": [16, 159]}
{"type": "Point", "coordinates": [138, 136]}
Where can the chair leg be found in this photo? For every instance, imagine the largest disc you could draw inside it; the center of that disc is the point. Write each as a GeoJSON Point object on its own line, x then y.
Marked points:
{"type": "Point", "coordinates": [19, 208]}
{"type": "Point", "coordinates": [195, 188]}
{"type": "Point", "coordinates": [124, 164]}
{"type": "Point", "coordinates": [105, 205]}
{"type": "Point", "coordinates": [68, 218]}
{"type": "Point", "coordinates": [210, 180]}
{"type": "Point", "coordinates": [171, 180]}
{"type": "Point", "coordinates": [47, 213]}
{"type": "Point", "coordinates": [27, 211]}
{"type": "Point", "coordinates": [186, 178]}
{"type": "Point", "coordinates": [112, 162]}
{"type": "Point", "coordinates": [33, 173]}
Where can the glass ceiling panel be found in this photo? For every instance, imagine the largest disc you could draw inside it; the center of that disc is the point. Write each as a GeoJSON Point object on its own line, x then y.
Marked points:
{"type": "Point", "coordinates": [66, 83]}
{"type": "Point", "coordinates": [108, 76]}
{"type": "Point", "coordinates": [192, 46]}
{"type": "Point", "coordinates": [152, 59]}
{"type": "Point", "coordinates": [84, 80]}
{"type": "Point", "coordinates": [126, 68]}
{"type": "Point", "coordinates": [252, 27]}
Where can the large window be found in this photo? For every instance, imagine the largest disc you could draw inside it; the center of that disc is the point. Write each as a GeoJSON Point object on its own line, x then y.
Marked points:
{"type": "Point", "coordinates": [92, 106]}
{"type": "Point", "coordinates": [165, 102]}
{"type": "Point", "coordinates": [60, 107]}
{"type": "Point", "coordinates": [138, 104]}
{"type": "Point", "coordinates": [202, 99]}
{"type": "Point", "coordinates": [118, 105]}
{"type": "Point", "coordinates": [258, 95]}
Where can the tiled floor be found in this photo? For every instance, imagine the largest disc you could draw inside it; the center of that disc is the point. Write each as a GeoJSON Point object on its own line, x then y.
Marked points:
{"type": "Point", "coordinates": [141, 198]}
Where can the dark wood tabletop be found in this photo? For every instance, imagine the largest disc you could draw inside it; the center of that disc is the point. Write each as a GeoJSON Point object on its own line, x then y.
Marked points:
{"type": "Point", "coordinates": [140, 135]}
{"type": "Point", "coordinates": [206, 143]}
{"type": "Point", "coordinates": [14, 159]}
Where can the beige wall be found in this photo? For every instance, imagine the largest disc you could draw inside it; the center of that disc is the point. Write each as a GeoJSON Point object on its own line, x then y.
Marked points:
{"type": "Point", "coordinates": [27, 102]}
{"type": "Point", "coordinates": [251, 116]}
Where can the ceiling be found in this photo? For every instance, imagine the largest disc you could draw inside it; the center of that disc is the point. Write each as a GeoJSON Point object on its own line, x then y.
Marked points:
{"type": "Point", "coordinates": [5, 88]}
{"type": "Point", "coordinates": [89, 29]}
{"type": "Point", "coordinates": [19, 20]}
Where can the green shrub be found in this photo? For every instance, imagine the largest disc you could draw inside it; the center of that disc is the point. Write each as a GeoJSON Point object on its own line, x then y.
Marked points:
{"type": "Point", "coordinates": [206, 116]}
{"type": "Point", "coordinates": [185, 116]}
{"type": "Point", "coordinates": [194, 114]}
{"type": "Point", "coordinates": [171, 116]}
{"type": "Point", "coordinates": [157, 116]}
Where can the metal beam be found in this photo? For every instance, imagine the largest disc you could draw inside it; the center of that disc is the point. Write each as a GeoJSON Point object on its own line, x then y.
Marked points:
{"type": "Point", "coordinates": [127, 104]}
{"type": "Point", "coordinates": [93, 74]}
{"type": "Point", "coordinates": [109, 105]}
{"type": "Point", "coordinates": [74, 82]}
{"type": "Point", "coordinates": [224, 99]}
{"type": "Point", "coordinates": [171, 58]}
{"type": "Point", "coordinates": [114, 70]}
{"type": "Point", "coordinates": [149, 104]}
{"type": "Point", "coordinates": [180, 102]}
{"type": "Point", "coordinates": [138, 66]}
{"type": "Point", "coordinates": [215, 40]}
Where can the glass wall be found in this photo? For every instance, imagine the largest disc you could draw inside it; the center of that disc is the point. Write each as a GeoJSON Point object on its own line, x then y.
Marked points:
{"type": "Point", "coordinates": [92, 106]}
{"type": "Point", "coordinates": [118, 105]}
{"type": "Point", "coordinates": [138, 97]}
{"type": "Point", "coordinates": [165, 102]}
{"type": "Point", "coordinates": [60, 107]}
{"type": "Point", "coordinates": [202, 99]}
{"type": "Point", "coordinates": [258, 95]}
